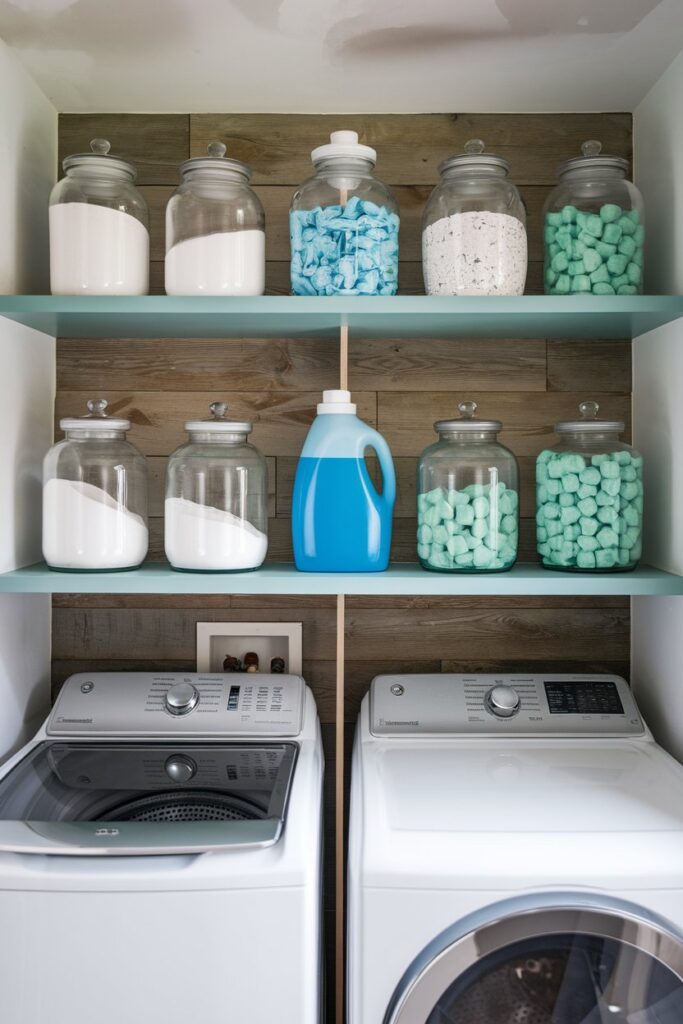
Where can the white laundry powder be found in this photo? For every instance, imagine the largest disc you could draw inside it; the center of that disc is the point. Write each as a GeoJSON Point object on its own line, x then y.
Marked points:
{"type": "Point", "coordinates": [96, 250]}
{"type": "Point", "coordinates": [85, 528]}
{"type": "Point", "coordinates": [225, 263]}
{"type": "Point", "coordinates": [475, 253]}
{"type": "Point", "coordinates": [207, 538]}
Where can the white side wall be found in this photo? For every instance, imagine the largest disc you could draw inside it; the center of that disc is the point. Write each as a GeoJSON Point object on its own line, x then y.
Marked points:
{"type": "Point", "coordinates": [28, 129]}
{"type": "Point", "coordinates": [657, 623]}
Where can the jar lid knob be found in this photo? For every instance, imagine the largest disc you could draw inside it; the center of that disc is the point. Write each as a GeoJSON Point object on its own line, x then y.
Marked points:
{"type": "Point", "coordinates": [218, 410]}
{"type": "Point", "coordinates": [467, 410]}
{"type": "Point", "coordinates": [100, 146]}
{"type": "Point", "coordinates": [216, 150]}
{"type": "Point", "coordinates": [589, 411]}
{"type": "Point", "coordinates": [97, 407]}
{"type": "Point", "coordinates": [474, 146]}
{"type": "Point", "coordinates": [591, 148]}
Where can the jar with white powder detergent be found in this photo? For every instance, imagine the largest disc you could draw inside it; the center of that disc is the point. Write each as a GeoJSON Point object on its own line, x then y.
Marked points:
{"type": "Point", "coordinates": [99, 227]}
{"type": "Point", "coordinates": [94, 496]}
{"type": "Point", "coordinates": [215, 229]}
{"type": "Point", "coordinates": [216, 498]}
{"type": "Point", "coordinates": [474, 238]}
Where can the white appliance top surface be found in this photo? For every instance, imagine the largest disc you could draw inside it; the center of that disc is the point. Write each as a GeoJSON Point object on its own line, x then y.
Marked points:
{"type": "Point", "coordinates": [178, 704]}
{"type": "Point", "coordinates": [551, 771]}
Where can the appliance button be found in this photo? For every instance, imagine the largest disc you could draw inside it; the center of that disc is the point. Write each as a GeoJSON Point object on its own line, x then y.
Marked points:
{"type": "Point", "coordinates": [87, 687]}
{"type": "Point", "coordinates": [397, 690]}
{"type": "Point", "coordinates": [502, 701]}
{"type": "Point", "coordinates": [180, 768]}
{"type": "Point", "coordinates": [182, 698]}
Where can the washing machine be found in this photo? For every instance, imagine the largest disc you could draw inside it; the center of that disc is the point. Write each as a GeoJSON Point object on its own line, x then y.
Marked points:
{"type": "Point", "coordinates": [515, 855]}
{"type": "Point", "coordinates": [160, 854]}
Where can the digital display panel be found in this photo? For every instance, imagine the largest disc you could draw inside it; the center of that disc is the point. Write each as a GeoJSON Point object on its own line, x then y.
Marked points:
{"type": "Point", "coordinates": [584, 698]}
{"type": "Point", "coordinates": [233, 698]}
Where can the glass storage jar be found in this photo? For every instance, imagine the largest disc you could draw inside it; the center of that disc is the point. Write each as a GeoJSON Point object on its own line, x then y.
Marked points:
{"type": "Point", "coordinates": [467, 498]}
{"type": "Point", "coordinates": [589, 497]}
{"type": "Point", "coordinates": [215, 229]}
{"type": "Point", "coordinates": [474, 238]}
{"type": "Point", "coordinates": [593, 228]}
{"type": "Point", "coordinates": [216, 498]}
{"type": "Point", "coordinates": [343, 224]}
{"type": "Point", "coordinates": [99, 227]}
{"type": "Point", "coordinates": [94, 496]}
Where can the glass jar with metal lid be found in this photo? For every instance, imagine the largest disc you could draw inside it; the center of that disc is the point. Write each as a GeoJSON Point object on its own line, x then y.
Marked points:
{"type": "Point", "coordinates": [94, 496]}
{"type": "Point", "coordinates": [343, 224]}
{"type": "Point", "coordinates": [215, 229]}
{"type": "Point", "coordinates": [589, 497]}
{"type": "Point", "coordinates": [474, 238]}
{"type": "Point", "coordinates": [594, 228]}
{"type": "Point", "coordinates": [467, 497]}
{"type": "Point", "coordinates": [99, 227]}
{"type": "Point", "coordinates": [216, 498]}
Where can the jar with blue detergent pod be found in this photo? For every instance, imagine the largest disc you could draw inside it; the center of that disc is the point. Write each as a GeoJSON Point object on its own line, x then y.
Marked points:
{"type": "Point", "coordinates": [467, 498]}
{"type": "Point", "coordinates": [593, 228]}
{"type": "Point", "coordinates": [589, 497]}
{"type": "Point", "coordinates": [343, 224]}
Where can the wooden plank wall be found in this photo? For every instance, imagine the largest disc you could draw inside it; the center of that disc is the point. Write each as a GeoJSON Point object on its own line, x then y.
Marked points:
{"type": "Point", "coordinates": [400, 386]}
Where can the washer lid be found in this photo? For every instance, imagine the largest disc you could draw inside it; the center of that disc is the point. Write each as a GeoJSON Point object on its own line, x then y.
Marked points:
{"type": "Point", "coordinates": [95, 798]}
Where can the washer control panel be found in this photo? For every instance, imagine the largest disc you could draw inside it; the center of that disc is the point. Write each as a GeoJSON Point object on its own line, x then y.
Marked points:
{"type": "Point", "coordinates": [178, 704]}
{"type": "Point", "coordinates": [520, 705]}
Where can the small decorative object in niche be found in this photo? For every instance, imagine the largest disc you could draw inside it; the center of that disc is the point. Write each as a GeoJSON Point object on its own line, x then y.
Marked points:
{"type": "Point", "coordinates": [249, 647]}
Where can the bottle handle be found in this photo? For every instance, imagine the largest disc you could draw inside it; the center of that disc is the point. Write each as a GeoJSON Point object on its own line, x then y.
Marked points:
{"type": "Point", "coordinates": [372, 439]}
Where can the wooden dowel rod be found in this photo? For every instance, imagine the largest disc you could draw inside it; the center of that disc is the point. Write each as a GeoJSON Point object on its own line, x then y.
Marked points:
{"type": "Point", "coordinates": [339, 816]}
{"type": "Point", "coordinates": [344, 357]}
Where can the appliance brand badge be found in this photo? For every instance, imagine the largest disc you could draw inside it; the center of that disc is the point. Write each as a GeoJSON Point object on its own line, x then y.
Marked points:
{"type": "Point", "coordinates": [74, 721]}
{"type": "Point", "coordinates": [107, 832]}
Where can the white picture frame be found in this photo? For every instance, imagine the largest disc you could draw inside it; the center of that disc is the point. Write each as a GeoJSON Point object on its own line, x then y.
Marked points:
{"type": "Point", "coordinates": [215, 640]}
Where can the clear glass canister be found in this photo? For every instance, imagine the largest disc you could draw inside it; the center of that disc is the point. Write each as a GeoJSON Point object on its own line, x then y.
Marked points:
{"type": "Point", "coordinates": [215, 229]}
{"type": "Point", "coordinates": [467, 498]}
{"type": "Point", "coordinates": [589, 497]}
{"type": "Point", "coordinates": [99, 227]}
{"type": "Point", "coordinates": [593, 228]}
{"type": "Point", "coordinates": [94, 496]}
{"type": "Point", "coordinates": [343, 224]}
{"type": "Point", "coordinates": [216, 498]}
{"type": "Point", "coordinates": [474, 238]}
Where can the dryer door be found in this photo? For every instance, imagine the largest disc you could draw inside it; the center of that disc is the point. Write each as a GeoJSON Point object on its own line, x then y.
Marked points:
{"type": "Point", "coordinates": [557, 959]}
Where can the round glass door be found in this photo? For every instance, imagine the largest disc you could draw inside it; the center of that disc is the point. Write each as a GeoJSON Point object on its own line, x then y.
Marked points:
{"type": "Point", "coordinates": [548, 965]}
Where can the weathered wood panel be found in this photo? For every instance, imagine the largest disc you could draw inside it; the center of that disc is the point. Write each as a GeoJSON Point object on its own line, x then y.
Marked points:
{"type": "Point", "coordinates": [406, 419]}
{"type": "Point", "coordinates": [307, 364]}
{"type": "Point", "coordinates": [410, 146]}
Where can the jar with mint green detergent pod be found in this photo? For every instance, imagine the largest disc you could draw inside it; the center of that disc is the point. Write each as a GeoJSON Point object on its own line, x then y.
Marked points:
{"type": "Point", "coordinates": [340, 521]}
{"type": "Point", "coordinates": [593, 228]}
{"type": "Point", "coordinates": [467, 497]}
{"type": "Point", "coordinates": [589, 497]}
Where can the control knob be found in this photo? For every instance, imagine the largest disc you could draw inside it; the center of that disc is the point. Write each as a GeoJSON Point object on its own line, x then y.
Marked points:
{"type": "Point", "coordinates": [180, 768]}
{"type": "Point", "coordinates": [182, 698]}
{"type": "Point", "coordinates": [502, 701]}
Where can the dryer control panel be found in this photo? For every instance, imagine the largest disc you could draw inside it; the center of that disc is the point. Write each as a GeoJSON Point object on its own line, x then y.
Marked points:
{"type": "Point", "coordinates": [190, 704]}
{"type": "Point", "coordinates": [519, 705]}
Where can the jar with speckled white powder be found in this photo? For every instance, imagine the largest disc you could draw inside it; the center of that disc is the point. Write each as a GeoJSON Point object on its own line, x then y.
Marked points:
{"type": "Point", "coordinates": [474, 238]}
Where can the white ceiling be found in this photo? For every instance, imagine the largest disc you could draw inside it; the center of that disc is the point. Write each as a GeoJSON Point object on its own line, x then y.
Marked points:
{"type": "Point", "coordinates": [344, 55]}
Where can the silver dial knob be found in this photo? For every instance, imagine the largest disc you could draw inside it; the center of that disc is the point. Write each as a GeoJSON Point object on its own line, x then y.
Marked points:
{"type": "Point", "coordinates": [180, 768]}
{"type": "Point", "coordinates": [502, 701]}
{"type": "Point", "coordinates": [182, 698]}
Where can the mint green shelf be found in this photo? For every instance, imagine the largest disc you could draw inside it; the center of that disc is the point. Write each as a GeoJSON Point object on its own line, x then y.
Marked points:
{"type": "Point", "coordinates": [401, 579]}
{"type": "Point", "coordinates": [419, 316]}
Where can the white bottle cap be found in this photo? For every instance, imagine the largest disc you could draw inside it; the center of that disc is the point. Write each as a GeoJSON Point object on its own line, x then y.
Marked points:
{"type": "Point", "coordinates": [335, 402]}
{"type": "Point", "coordinates": [344, 144]}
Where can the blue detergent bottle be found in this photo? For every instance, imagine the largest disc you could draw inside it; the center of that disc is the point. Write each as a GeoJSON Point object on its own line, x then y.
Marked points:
{"type": "Point", "coordinates": [340, 523]}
